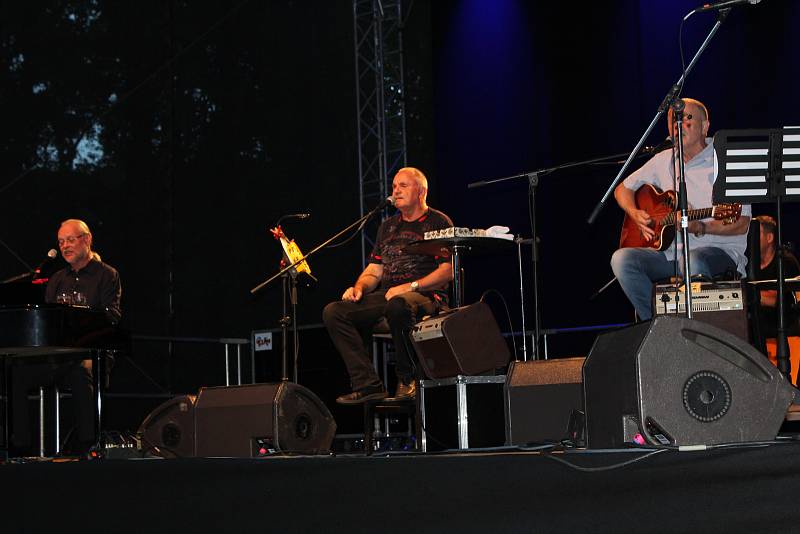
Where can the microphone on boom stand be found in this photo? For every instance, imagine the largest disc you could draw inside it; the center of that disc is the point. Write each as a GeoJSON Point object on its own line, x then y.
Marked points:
{"type": "Point", "coordinates": [385, 203]}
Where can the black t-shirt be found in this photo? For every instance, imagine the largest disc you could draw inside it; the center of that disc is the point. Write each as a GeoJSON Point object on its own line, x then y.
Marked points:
{"type": "Point", "coordinates": [791, 268]}
{"type": "Point", "coordinates": [394, 234]}
{"type": "Point", "coordinates": [98, 281]}
{"type": "Point", "coordinates": [769, 315]}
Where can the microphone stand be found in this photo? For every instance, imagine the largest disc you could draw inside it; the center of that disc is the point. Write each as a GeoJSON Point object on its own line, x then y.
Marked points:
{"type": "Point", "coordinates": [33, 274]}
{"type": "Point", "coordinates": [533, 182]}
{"type": "Point", "coordinates": [284, 273]}
{"type": "Point", "coordinates": [781, 340]}
{"type": "Point", "coordinates": [683, 204]}
{"type": "Point", "coordinates": [23, 262]}
{"type": "Point", "coordinates": [15, 278]}
{"type": "Point", "coordinates": [672, 96]}
{"type": "Point", "coordinates": [289, 291]}
{"type": "Point", "coordinates": [316, 249]}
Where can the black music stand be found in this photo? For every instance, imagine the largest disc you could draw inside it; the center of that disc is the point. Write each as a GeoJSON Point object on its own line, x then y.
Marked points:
{"type": "Point", "coordinates": [289, 283]}
{"type": "Point", "coordinates": [292, 266]}
{"type": "Point", "coordinates": [761, 166]}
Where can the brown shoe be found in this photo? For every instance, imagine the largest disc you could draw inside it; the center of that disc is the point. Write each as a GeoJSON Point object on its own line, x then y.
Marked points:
{"type": "Point", "coordinates": [405, 390]}
{"type": "Point", "coordinates": [363, 395]}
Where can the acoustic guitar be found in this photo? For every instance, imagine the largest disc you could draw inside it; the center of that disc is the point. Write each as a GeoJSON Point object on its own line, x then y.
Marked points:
{"type": "Point", "coordinates": [661, 208]}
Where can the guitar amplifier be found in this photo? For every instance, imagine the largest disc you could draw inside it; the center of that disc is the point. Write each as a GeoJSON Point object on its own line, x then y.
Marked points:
{"type": "Point", "coordinates": [721, 304]}
{"type": "Point", "coordinates": [464, 341]}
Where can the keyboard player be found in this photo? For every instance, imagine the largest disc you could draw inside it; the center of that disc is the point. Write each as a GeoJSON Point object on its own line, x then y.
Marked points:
{"type": "Point", "coordinates": [85, 281]}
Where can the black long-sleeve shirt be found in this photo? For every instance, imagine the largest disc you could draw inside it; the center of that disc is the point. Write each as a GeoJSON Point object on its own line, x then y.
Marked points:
{"type": "Point", "coordinates": [98, 281]}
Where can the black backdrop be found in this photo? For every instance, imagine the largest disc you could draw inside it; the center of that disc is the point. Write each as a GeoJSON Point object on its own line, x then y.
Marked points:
{"type": "Point", "coordinates": [203, 123]}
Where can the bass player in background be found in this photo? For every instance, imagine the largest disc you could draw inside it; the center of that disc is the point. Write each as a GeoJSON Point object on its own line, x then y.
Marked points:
{"type": "Point", "coordinates": [767, 312]}
{"type": "Point", "coordinates": [716, 246]}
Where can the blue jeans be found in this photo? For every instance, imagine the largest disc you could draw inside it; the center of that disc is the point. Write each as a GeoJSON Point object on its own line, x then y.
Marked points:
{"type": "Point", "coordinates": [637, 268]}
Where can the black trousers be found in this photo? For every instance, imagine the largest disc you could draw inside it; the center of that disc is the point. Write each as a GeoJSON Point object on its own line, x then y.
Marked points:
{"type": "Point", "coordinates": [350, 326]}
{"type": "Point", "coordinates": [27, 376]}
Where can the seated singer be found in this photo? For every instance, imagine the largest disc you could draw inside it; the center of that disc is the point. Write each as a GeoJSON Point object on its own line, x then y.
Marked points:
{"type": "Point", "coordinates": [715, 248]}
{"type": "Point", "coordinates": [398, 286]}
{"type": "Point", "coordinates": [85, 281]}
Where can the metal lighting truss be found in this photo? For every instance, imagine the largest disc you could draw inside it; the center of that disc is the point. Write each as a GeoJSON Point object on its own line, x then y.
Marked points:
{"type": "Point", "coordinates": [380, 101]}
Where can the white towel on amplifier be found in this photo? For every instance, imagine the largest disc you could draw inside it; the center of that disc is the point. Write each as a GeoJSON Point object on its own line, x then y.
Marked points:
{"type": "Point", "coordinates": [500, 232]}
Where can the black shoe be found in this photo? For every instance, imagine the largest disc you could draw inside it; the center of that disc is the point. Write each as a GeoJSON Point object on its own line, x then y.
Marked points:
{"type": "Point", "coordinates": [363, 395]}
{"type": "Point", "coordinates": [406, 390]}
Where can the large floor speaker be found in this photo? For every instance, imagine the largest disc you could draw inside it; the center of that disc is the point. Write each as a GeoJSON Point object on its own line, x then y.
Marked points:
{"type": "Point", "coordinates": [464, 341]}
{"type": "Point", "coordinates": [675, 381]}
{"type": "Point", "coordinates": [540, 397]}
{"type": "Point", "coordinates": [246, 421]}
{"type": "Point", "coordinates": [168, 431]}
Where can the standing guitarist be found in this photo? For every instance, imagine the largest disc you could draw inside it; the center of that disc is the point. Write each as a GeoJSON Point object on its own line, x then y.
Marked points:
{"type": "Point", "coordinates": [715, 246]}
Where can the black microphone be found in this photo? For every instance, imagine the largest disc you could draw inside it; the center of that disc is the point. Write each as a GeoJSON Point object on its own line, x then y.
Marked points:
{"type": "Point", "coordinates": [663, 145]}
{"type": "Point", "coordinates": [51, 255]}
{"type": "Point", "coordinates": [386, 202]}
{"type": "Point", "coordinates": [292, 216]}
{"type": "Point", "coordinates": [724, 5]}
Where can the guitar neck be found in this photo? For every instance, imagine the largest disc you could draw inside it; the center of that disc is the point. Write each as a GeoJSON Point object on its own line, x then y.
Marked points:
{"type": "Point", "coordinates": [702, 213]}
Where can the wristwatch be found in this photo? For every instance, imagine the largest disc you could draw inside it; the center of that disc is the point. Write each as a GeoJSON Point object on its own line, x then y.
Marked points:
{"type": "Point", "coordinates": [414, 286]}
{"type": "Point", "coordinates": [702, 231]}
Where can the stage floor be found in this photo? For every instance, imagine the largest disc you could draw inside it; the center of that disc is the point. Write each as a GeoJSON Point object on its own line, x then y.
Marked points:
{"type": "Point", "coordinates": [734, 489]}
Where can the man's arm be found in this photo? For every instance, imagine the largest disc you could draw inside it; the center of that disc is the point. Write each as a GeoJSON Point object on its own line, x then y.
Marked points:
{"type": "Point", "coordinates": [791, 269]}
{"type": "Point", "coordinates": [110, 291]}
{"type": "Point", "coordinates": [436, 279]}
{"type": "Point", "coordinates": [627, 201]}
{"type": "Point", "coordinates": [719, 227]}
{"type": "Point", "coordinates": [367, 282]}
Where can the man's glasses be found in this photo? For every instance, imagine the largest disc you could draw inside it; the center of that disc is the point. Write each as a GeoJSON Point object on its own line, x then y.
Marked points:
{"type": "Point", "coordinates": [69, 240]}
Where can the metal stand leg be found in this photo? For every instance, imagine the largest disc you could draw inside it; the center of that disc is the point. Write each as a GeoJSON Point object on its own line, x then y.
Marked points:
{"type": "Point", "coordinates": [461, 410]}
{"type": "Point", "coordinates": [7, 403]}
{"type": "Point", "coordinates": [41, 421]}
{"type": "Point", "coordinates": [57, 419]}
{"type": "Point", "coordinates": [98, 375]}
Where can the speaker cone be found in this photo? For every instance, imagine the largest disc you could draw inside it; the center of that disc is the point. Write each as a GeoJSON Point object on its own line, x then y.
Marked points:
{"type": "Point", "coordinates": [706, 396]}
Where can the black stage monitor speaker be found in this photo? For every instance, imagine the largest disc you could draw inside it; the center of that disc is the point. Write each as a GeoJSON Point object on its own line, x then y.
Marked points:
{"type": "Point", "coordinates": [169, 429]}
{"type": "Point", "coordinates": [675, 381]}
{"type": "Point", "coordinates": [540, 396]}
{"type": "Point", "coordinates": [255, 419]}
{"type": "Point", "coordinates": [464, 341]}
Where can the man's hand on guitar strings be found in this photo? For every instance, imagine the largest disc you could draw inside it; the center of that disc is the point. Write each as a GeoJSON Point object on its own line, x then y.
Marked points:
{"type": "Point", "coordinates": [644, 222]}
